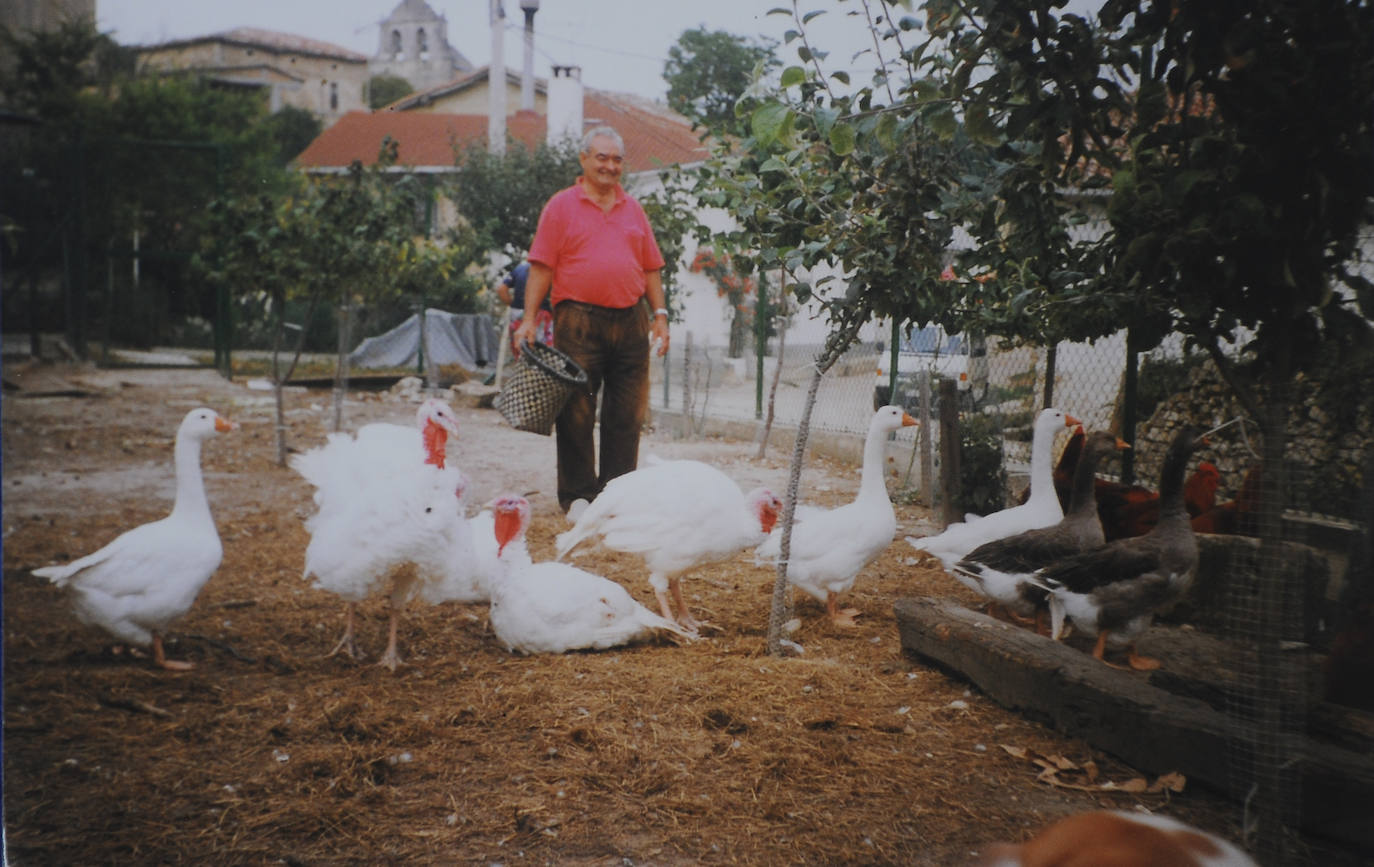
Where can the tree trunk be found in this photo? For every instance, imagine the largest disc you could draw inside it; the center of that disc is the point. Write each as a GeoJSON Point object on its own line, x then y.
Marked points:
{"type": "Point", "coordinates": [781, 609]}
{"type": "Point", "coordinates": [773, 387]}
{"type": "Point", "coordinates": [1276, 691]}
{"type": "Point", "coordinates": [738, 331]}
{"type": "Point", "coordinates": [279, 379]}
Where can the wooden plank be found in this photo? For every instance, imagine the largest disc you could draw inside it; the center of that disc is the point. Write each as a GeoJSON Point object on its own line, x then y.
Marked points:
{"type": "Point", "coordinates": [1121, 713]}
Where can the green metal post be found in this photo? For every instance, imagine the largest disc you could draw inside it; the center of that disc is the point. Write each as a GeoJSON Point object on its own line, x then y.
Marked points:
{"type": "Point", "coordinates": [892, 362]}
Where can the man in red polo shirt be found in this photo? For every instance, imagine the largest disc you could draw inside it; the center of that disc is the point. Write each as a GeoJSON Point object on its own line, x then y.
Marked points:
{"type": "Point", "coordinates": [595, 249]}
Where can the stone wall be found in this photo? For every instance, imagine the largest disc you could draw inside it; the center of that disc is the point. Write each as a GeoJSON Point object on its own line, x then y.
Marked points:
{"type": "Point", "coordinates": [1327, 456]}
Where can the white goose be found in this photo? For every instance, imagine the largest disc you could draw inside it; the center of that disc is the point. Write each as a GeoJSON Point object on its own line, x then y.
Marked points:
{"type": "Point", "coordinates": [678, 515]}
{"type": "Point", "coordinates": [834, 545]}
{"type": "Point", "coordinates": [1041, 509]}
{"type": "Point", "coordinates": [386, 498]}
{"type": "Point", "coordinates": [148, 577]}
{"type": "Point", "coordinates": [1001, 569]}
{"type": "Point", "coordinates": [555, 607]}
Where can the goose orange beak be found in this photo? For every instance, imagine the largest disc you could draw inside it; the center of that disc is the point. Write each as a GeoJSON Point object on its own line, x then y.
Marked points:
{"type": "Point", "coordinates": [224, 425]}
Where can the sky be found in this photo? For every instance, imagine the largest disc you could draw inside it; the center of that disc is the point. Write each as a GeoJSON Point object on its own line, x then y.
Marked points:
{"type": "Point", "coordinates": [621, 45]}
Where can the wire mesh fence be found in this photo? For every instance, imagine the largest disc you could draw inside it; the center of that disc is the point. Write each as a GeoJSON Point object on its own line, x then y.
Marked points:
{"type": "Point", "coordinates": [1291, 601]}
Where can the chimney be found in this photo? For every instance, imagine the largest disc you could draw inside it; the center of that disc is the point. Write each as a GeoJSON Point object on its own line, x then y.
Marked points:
{"type": "Point", "coordinates": [496, 81]}
{"type": "Point", "coordinates": [565, 104]}
{"type": "Point", "coordinates": [527, 71]}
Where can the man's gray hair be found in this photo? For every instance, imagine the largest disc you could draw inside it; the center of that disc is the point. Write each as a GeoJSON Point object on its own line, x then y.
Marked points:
{"type": "Point", "coordinates": [601, 132]}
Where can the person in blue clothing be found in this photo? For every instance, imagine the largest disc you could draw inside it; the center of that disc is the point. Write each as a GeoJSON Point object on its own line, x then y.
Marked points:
{"type": "Point", "coordinates": [512, 291]}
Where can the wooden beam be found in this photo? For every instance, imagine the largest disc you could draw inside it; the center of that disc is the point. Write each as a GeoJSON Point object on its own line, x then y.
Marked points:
{"type": "Point", "coordinates": [1121, 713]}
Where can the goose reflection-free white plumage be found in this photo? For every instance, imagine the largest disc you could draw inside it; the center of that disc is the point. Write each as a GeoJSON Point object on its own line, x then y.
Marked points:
{"type": "Point", "coordinates": [829, 547]}
{"type": "Point", "coordinates": [677, 515]}
{"type": "Point", "coordinates": [1041, 509]}
{"type": "Point", "coordinates": [148, 577]}
{"type": "Point", "coordinates": [554, 607]}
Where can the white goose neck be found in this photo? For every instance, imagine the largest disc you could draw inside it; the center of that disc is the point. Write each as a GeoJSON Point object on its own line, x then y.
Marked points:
{"type": "Point", "coordinates": [190, 496]}
{"type": "Point", "coordinates": [1042, 474]}
{"type": "Point", "coordinates": [871, 483]}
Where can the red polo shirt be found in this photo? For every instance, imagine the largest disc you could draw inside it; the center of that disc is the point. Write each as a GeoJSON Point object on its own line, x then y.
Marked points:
{"type": "Point", "coordinates": [597, 257]}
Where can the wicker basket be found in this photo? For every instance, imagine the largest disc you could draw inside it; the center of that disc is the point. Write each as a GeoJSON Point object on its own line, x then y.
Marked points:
{"type": "Point", "coordinates": [543, 381]}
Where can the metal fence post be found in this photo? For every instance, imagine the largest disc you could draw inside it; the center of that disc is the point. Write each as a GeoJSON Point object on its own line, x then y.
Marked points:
{"type": "Point", "coordinates": [949, 452]}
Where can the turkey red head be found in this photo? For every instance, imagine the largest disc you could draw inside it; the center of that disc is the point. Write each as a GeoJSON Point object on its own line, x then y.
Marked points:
{"type": "Point", "coordinates": [765, 506]}
{"type": "Point", "coordinates": [436, 420]}
{"type": "Point", "coordinates": [511, 516]}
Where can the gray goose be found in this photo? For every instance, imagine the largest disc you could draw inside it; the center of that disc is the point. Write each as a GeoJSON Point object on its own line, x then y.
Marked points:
{"type": "Point", "coordinates": [1001, 569]}
{"type": "Point", "coordinates": [1117, 589]}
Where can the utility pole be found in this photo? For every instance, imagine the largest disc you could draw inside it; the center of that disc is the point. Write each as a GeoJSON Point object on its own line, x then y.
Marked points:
{"type": "Point", "coordinates": [496, 81]}
{"type": "Point", "coordinates": [529, 7]}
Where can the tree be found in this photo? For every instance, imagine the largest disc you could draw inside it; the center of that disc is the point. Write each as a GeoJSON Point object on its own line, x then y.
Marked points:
{"type": "Point", "coordinates": [707, 71]}
{"type": "Point", "coordinates": [1237, 140]}
{"type": "Point", "coordinates": [1232, 139]}
{"type": "Point", "coordinates": [383, 90]}
{"type": "Point", "coordinates": [739, 291]}
{"type": "Point", "coordinates": [293, 129]}
{"type": "Point", "coordinates": [671, 212]}
{"type": "Point", "coordinates": [116, 157]}
{"type": "Point", "coordinates": [354, 240]}
{"type": "Point", "coordinates": [502, 195]}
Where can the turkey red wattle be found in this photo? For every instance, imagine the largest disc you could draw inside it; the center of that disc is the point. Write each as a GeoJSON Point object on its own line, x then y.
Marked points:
{"type": "Point", "coordinates": [509, 520]}
{"type": "Point", "coordinates": [435, 439]}
{"type": "Point", "coordinates": [768, 515]}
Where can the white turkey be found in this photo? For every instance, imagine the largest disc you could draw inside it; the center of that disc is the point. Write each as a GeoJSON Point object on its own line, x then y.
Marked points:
{"type": "Point", "coordinates": [554, 607]}
{"type": "Point", "coordinates": [148, 577]}
{"type": "Point", "coordinates": [391, 518]}
{"type": "Point", "coordinates": [677, 515]}
{"type": "Point", "coordinates": [1041, 509]}
{"type": "Point", "coordinates": [829, 547]}
{"type": "Point", "coordinates": [348, 464]}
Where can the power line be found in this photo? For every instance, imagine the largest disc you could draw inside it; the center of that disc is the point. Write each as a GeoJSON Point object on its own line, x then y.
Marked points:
{"type": "Point", "coordinates": [545, 35]}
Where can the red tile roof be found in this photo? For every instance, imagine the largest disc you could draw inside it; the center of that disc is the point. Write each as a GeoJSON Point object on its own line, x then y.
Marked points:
{"type": "Point", "coordinates": [654, 136]}
{"type": "Point", "coordinates": [425, 139]}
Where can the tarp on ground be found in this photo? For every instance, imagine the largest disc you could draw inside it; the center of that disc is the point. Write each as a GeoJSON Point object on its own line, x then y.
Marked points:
{"type": "Point", "coordinates": [469, 339]}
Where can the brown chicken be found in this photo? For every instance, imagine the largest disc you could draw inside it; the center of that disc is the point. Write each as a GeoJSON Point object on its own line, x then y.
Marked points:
{"type": "Point", "coordinates": [1133, 510]}
{"type": "Point", "coordinates": [1234, 516]}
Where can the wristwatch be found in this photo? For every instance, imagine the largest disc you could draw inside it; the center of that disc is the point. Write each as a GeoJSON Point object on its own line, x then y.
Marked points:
{"type": "Point", "coordinates": [661, 311]}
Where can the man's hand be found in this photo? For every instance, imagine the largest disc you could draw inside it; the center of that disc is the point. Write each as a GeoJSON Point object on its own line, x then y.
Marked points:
{"type": "Point", "coordinates": [524, 333]}
{"type": "Point", "coordinates": [659, 334]}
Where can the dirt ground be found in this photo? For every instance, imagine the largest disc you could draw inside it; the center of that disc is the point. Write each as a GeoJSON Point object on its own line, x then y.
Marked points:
{"type": "Point", "coordinates": [268, 753]}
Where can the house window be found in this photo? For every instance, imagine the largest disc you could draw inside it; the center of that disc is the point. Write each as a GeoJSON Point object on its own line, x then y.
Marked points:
{"type": "Point", "coordinates": [334, 96]}
{"type": "Point", "coordinates": [396, 51]}
{"type": "Point", "coordinates": [422, 44]}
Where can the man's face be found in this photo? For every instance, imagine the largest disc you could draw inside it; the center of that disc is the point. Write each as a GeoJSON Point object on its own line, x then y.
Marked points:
{"type": "Point", "coordinates": [602, 164]}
